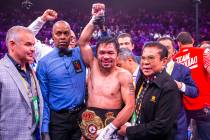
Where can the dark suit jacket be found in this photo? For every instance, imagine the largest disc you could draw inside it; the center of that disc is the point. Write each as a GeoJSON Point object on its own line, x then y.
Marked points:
{"type": "Point", "coordinates": [160, 108]}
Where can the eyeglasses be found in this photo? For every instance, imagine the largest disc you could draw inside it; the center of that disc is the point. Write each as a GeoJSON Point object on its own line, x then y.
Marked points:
{"type": "Point", "coordinates": [148, 59]}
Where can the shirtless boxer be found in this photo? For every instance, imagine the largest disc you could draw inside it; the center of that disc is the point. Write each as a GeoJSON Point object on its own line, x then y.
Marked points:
{"type": "Point", "coordinates": [110, 88]}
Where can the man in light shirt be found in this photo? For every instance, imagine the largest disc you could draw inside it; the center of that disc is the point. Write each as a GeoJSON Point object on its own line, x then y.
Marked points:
{"type": "Point", "coordinates": [127, 60]}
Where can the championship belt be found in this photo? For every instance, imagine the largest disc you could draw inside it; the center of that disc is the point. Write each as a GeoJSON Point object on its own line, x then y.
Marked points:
{"type": "Point", "coordinates": [90, 124]}
{"type": "Point", "coordinates": [109, 118]}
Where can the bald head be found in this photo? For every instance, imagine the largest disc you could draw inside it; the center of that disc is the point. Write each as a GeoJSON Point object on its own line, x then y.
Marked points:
{"type": "Point", "coordinates": [61, 34]}
{"type": "Point", "coordinates": [59, 23]}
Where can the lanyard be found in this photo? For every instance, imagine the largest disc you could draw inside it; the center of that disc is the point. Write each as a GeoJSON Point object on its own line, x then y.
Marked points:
{"type": "Point", "coordinates": [134, 116]}
{"type": "Point", "coordinates": [140, 90]}
{"type": "Point", "coordinates": [34, 98]}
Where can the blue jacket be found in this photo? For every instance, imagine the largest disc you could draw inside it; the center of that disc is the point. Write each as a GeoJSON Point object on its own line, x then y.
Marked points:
{"type": "Point", "coordinates": [182, 74]}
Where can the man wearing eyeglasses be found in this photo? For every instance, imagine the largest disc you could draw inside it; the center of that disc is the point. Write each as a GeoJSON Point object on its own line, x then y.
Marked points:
{"type": "Point", "coordinates": [157, 98]}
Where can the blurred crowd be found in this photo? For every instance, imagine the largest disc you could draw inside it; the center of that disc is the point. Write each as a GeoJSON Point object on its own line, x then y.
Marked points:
{"type": "Point", "coordinates": [157, 79]}
{"type": "Point", "coordinates": [143, 25]}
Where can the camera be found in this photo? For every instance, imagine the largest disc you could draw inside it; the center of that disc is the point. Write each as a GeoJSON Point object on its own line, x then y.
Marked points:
{"type": "Point", "coordinates": [26, 4]}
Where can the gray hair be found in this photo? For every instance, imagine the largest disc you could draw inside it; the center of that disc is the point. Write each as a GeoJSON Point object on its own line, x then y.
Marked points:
{"type": "Point", "coordinates": [14, 32]}
{"type": "Point", "coordinates": [125, 53]}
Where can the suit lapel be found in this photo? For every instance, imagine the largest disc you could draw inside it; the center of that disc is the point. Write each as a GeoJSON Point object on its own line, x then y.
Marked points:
{"type": "Point", "coordinates": [174, 71]}
{"type": "Point", "coordinates": [138, 75]}
{"type": "Point", "coordinates": [13, 72]}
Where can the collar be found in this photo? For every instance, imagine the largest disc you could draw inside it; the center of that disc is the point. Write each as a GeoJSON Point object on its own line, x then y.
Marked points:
{"type": "Point", "coordinates": [18, 66]}
{"type": "Point", "coordinates": [136, 72]}
{"type": "Point", "coordinates": [184, 49]}
{"type": "Point", "coordinates": [150, 79]}
{"type": "Point", "coordinates": [170, 63]}
{"type": "Point", "coordinates": [156, 78]}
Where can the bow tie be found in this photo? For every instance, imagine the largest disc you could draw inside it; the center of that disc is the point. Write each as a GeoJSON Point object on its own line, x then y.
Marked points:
{"type": "Point", "coordinates": [65, 51]}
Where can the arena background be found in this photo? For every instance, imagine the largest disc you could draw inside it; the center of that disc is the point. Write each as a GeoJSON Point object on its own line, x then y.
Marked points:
{"type": "Point", "coordinates": [143, 19]}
